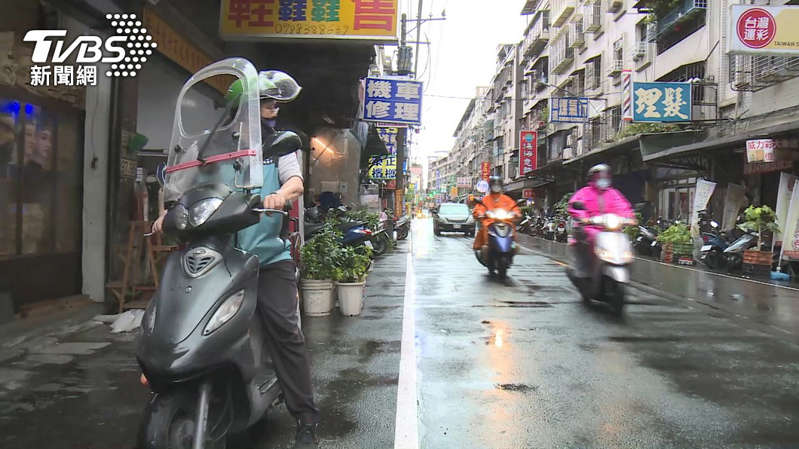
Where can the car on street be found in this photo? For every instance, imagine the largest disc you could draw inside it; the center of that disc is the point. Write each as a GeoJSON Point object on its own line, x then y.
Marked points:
{"type": "Point", "coordinates": [453, 217]}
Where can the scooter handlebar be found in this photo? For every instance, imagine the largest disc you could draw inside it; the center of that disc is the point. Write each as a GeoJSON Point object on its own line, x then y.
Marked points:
{"type": "Point", "coordinates": [261, 210]}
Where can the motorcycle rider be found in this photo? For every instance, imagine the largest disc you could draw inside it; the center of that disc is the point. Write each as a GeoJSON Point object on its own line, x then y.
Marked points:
{"type": "Point", "coordinates": [277, 284]}
{"type": "Point", "coordinates": [495, 199]}
{"type": "Point", "coordinates": [598, 198]}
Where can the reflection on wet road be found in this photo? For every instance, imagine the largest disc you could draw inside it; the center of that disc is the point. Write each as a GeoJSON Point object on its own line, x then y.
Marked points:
{"type": "Point", "coordinates": [523, 363]}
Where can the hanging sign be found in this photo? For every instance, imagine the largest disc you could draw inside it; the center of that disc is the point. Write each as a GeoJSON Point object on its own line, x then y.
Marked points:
{"type": "Point", "coordinates": [764, 30]}
{"type": "Point", "coordinates": [528, 152]}
{"type": "Point", "coordinates": [661, 102]}
{"type": "Point", "coordinates": [485, 170]}
{"type": "Point", "coordinates": [760, 150]}
{"type": "Point", "coordinates": [393, 100]}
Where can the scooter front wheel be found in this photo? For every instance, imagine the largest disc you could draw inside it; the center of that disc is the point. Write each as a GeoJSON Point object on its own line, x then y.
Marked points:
{"type": "Point", "coordinates": [613, 294]}
{"type": "Point", "coordinates": [170, 422]}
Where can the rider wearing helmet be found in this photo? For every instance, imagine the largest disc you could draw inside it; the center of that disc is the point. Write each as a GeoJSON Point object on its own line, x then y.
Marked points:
{"type": "Point", "coordinates": [277, 287]}
{"type": "Point", "coordinates": [495, 199]}
{"type": "Point", "coordinates": [597, 198]}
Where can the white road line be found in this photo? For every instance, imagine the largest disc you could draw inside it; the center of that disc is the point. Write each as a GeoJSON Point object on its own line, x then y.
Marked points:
{"type": "Point", "coordinates": [406, 430]}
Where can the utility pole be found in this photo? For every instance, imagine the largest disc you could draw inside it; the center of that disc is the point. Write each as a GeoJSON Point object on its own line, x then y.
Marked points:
{"type": "Point", "coordinates": [418, 36]}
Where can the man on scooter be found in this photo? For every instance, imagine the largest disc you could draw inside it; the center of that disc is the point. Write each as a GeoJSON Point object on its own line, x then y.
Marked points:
{"type": "Point", "coordinates": [277, 284]}
{"type": "Point", "coordinates": [494, 200]}
{"type": "Point", "coordinates": [597, 198]}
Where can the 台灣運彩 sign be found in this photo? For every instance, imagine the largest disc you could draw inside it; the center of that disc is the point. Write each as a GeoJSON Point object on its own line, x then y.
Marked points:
{"type": "Point", "coordinates": [393, 100]}
{"type": "Point", "coordinates": [661, 102]}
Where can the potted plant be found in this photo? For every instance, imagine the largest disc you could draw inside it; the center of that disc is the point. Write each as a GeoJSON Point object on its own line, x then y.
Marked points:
{"type": "Point", "coordinates": [677, 244]}
{"type": "Point", "coordinates": [349, 272]}
{"type": "Point", "coordinates": [316, 271]}
{"type": "Point", "coordinates": [759, 219]}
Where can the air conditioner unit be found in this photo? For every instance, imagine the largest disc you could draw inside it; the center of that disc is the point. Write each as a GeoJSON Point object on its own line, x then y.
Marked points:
{"type": "Point", "coordinates": [651, 31]}
{"type": "Point", "coordinates": [569, 140]}
{"type": "Point", "coordinates": [615, 5]}
{"type": "Point", "coordinates": [573, 80]}
{"type": "Point", "coordinates": [618, 45]}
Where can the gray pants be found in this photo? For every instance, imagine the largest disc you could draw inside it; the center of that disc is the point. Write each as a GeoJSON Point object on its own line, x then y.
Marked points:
{"type": "Point", "coordinates": [278, 308]}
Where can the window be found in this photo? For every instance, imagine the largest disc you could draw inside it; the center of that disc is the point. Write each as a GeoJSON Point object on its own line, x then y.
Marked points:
{"type": "Point", "coordinates": [687, 73]}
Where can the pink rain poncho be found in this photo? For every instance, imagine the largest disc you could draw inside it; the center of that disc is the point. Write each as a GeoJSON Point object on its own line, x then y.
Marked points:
{"type": "Point", "coordinates": [597, 202]}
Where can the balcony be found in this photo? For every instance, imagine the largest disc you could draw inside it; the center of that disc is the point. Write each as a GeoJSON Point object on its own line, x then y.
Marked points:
{"type": "Point", "coordinates": [615, 5]}
{"type": "Point", "coordinates": [754, 73]}
{"type": "Point", "coordinates": [563, 61]}
{"type": "Point", "coordinates": [687, 10]}
{"type": "Point", "coordinates": [561, 10]}
{"type": "Point", "coordinates": [616, 66]}
{"type": "Point", "coordinates": [642, 55]}
{"type": "Point", "coordinates": [592, 18]}
{"type": "Point", "coordinates": [537, 38]}
{"type": "Point", "coordinates": [576, 35]}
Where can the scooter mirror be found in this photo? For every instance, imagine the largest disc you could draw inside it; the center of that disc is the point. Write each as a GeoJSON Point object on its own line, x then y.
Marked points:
{"type": "Point", "coordinates": [578, 205]}
{"type": "Point", "coordinates": [522, 202]}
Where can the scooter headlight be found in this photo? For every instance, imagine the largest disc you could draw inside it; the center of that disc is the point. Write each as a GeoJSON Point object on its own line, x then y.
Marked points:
{"type": "Point", "coordinates": [613, 222]}
{"type": "Point", "coordinates": [501, 229]}
{"type": "Point", "coordinates": [202, 210]}
{"type": "Point", "coordinates": [225, 312]}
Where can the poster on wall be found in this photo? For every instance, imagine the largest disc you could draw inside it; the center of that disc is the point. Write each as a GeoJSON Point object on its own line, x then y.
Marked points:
{"type": "Point", "coordinates": [704, 189]}
{"type": "Point", "coordinates": [734, 200]}
{"type": "Point", "coordinates": [787, 182]}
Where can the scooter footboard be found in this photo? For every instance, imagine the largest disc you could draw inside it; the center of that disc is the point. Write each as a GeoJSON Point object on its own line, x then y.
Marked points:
{"type": "Point", "coordinates": [617, 273]}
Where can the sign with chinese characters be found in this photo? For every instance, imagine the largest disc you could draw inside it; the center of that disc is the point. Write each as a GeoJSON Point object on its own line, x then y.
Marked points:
{"type": "Point", "coordinates": [383, 167]}
{"type": "Point", "coordinates": [369, 20]}
{"type": "Point", "coordinates": [393, 100]}
{"type": "Point", "coordinates": [568, 109]}
{"type": "Point", "coordinates": [528, 152]}
{"type": "Point", "coordinates": [527, 193]}
{"type": "Point", "coordinates": [464, 181]}
{"type": "Point", "coordinates": [661, 102]}
{"type": "Point", "coordinates": [389, 137]}
{"type": "Point", "coordinates": [764, 30]}
{"type": "Point", "coordinates": [760, 150]}
{"type": "Point", "coordinates": [485, 170]}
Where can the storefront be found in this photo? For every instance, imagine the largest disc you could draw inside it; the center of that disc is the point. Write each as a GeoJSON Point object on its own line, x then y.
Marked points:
{"type": "Point", "coordinates": [41, 161]}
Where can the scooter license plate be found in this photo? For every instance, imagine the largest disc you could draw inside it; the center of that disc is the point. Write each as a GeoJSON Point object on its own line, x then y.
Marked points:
{"type": "Point", "coordinates": [707, 248]}
{"type": "Point", "coordinates": [369, 244]}
{"type": "Point", "coordinates": [456, 226]}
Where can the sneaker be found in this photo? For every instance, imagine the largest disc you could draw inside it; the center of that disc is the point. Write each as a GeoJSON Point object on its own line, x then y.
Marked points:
{"type": "Point", "coordinates": [306, 436]}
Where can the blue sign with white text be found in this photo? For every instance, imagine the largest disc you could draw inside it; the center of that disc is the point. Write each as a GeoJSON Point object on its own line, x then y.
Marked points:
{"type": "Point", "coordinates": [661, 102]}
{"type": "Point", "coordinates": [568, 109]}
{"type": "Point", "coordinates": [393, 101]}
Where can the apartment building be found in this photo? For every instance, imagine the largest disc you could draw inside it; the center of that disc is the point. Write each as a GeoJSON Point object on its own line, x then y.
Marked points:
{"type": "Point", "coordinates": [594, 50]}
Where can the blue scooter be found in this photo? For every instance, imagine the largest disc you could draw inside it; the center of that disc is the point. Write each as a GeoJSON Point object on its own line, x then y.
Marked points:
{"type": "Point", "coordinates": [497, 254]}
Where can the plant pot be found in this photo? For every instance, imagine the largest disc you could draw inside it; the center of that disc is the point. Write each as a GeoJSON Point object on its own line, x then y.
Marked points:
{"type": "Point", "coordinates": [350, 297]}
{"type": "Point", "coordinates": [317, 297]}
{"type": "Point", "coordinates": [667, 253]}
{"type": "Point", "coordinates": [757, 263]}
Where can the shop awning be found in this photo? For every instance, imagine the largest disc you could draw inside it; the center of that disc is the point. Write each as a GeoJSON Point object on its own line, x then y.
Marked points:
{"type": "Point", "coordinates": [605, 152]}
{"type": "Point", "coordinates": [715, 143]}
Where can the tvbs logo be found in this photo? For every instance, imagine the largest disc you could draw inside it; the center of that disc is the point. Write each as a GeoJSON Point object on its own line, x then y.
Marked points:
{"type": "Point", "coordinates": [125, 51]}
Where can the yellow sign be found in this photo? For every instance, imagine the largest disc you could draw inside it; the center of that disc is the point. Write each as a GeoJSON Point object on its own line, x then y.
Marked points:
{"type": "Point", "coordinates": [180, 50]}
{"type": "Point", "coordinates": [373, 20]}
{"type": "Point", "coordinates": [383, 167]}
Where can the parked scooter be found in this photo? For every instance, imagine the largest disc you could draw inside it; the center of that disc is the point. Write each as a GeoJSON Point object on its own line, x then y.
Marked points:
{"type": "Point", "coordinates": [497, 254]}
{"type": "Point", "coordinates": [550, 227]}
{"type": "Point", "coordinates": [202, 348]}
{"type": "Point", "coordinates": [601, 272]}
{"type": "Point", "coordinates": [646, 243]}
{"type": "Point", "coordinates": [561, 234]}
{"type": "Point", "coordinates": [713, 242]}
{"type": "Point", "coordinates": [527, 223]}
{"type": "Point", "coordinates": [403, 227]}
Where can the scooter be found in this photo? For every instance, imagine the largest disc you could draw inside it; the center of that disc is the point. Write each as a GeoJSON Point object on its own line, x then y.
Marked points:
{"type": "Point", "coordinates": [403, 227]}
{"type": "Point", "coordinates": [526, 224]}
{"type": "Point", "coordinates": [202, 349]}
{"type": "Point", "coordinates": [602, 272]}
{"type": "Point", "coordinates": [497, 254]}
{"type": "Point", "coordinates": [646, 243]}
{"type": "Point", "coordinates": [549, 228]}
{"type": "Point", "coordinates": [713, 242]}
{"type": "Point", "coordinates": [561, 234]}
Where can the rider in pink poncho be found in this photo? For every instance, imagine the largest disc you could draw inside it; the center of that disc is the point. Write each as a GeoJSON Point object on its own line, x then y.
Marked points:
{"type": "Point", "coordinates": [598, 198]}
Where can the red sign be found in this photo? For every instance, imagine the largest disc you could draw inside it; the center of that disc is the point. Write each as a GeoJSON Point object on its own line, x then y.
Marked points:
{"type": "Point", "coordinates": [756, 28]}
{"type": "Point", "coordinates": [527, 193]}
{"type": "Point", "coordinates": [485, 170]}
{"type": "Point", "coordinates": [528, 152]}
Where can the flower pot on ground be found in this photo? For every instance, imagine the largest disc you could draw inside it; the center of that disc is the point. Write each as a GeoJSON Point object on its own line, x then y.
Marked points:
{"type": "Point", "coordinates": [677, 244]}
{"type": "Point", "coordinates": [349, 272]}
{"type": "Point", "coordinates": [316, 268]}
{"type": "Point", "coordinates": [759, 219]}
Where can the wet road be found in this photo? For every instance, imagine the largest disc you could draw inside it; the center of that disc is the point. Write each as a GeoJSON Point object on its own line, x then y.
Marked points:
{"type": "Point", "coordinates": [525, 364]}
{"type": "Point", "coordinates": [512, 364]}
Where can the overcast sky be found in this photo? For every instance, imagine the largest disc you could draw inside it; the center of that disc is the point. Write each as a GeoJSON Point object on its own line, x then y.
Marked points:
{"type": "Point", "coordinates": [462, 56]}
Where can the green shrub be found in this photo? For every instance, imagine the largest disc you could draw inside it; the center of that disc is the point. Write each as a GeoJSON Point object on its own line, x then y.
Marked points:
{"type": "Point", "coordinates": [676, 234]}
{"type": "Point", "coordinates": [351, 263]}
{"type": "Point", "coordinates": [317, 255]}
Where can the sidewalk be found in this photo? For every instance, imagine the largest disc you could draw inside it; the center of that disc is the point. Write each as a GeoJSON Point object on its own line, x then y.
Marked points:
{"type": "Point", "coordinates": [67, 382]}
{"type": "Point", "coordinates": [767, 303]}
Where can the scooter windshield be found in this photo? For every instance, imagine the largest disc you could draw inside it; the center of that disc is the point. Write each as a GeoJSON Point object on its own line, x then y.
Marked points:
{"type": "Point", "coordinates": [216, 135]}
